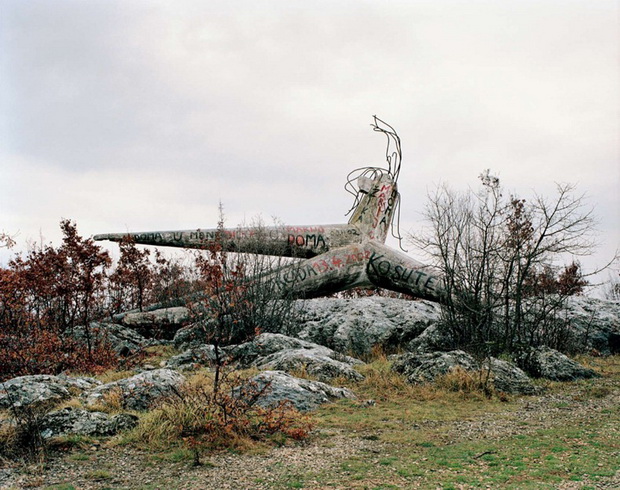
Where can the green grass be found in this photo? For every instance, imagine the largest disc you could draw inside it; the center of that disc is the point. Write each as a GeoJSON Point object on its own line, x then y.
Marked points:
{"type": "Point", "coordinates": [420, 447]}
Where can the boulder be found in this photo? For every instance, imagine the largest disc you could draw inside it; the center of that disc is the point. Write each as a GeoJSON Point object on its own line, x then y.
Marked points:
{"type": "Point", "coordinates": [544, 362]}
{"type": "Point", "coordinates": [315, 362]}
{"type": "Point", "coordinates": [432, 339]}
{"type": "Point", "coordinates": [425, 367]}
{"type": "Point", "coordinates": [253, 353]}
{"type": "Point", "coordinates": [510, 379]}
{"type": "Point", "coordinates": [123, 340]}
{"type": "Point", "coordinates": [303, 394]}
{"type": "Point", "coordinates": [77, 421]}
{"type": "Point", "coordinates": [20, 393]}
{"type": "Point", "coordinates": [162, 323]}
{"type": "Point", "coordinates": [595, 322]}
{"type": "Point", "coordinates": [138, 392]}
{"type": "Point", "coordinates": [192, 358]}
{"type": "Point", "coordinates": [74, 384]}
{"type": "Point", "coordinates": [274, 351]}
{"type": "Point", "coordinates": [359, 325]}
{"type": "Point", "coordinates": [193, 335]}
{"type": "Point", "coordinates": [42, 391]}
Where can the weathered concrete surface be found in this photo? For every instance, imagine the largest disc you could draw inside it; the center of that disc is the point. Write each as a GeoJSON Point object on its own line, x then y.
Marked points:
{"type": "Point", "coordinates": [284, 241]}
{"type": "Point", "coordinates": [339, 257]}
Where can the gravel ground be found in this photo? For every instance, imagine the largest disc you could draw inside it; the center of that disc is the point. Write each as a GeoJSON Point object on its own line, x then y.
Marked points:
{"type": "Point", "coordinates": [131, 468]}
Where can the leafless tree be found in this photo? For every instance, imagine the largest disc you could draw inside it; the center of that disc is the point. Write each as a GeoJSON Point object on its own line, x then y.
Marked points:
{"type": "Point", "coordinates": [499, 259]}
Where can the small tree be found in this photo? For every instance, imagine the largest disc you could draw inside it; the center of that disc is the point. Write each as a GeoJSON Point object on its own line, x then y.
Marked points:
{"type": "Point", "coordinates": [132, 280]}
{"type": "Point", "coordinates": [497, 256]}
{"type": "Point", "coordinates": [43, 296]}
{"type": "Point", "coordinates": [237, 301]}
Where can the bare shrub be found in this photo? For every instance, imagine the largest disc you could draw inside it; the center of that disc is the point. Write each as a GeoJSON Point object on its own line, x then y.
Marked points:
{"type": "Point", "coordinates": [498, 257]}
{"type": "Point", "coordinates": [204, 419]}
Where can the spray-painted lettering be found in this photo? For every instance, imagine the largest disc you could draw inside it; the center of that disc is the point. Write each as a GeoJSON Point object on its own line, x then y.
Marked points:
{"type": "Point", "coordinates": [379, 265]}
{"type": "Point", "coordinates": [312, 241]}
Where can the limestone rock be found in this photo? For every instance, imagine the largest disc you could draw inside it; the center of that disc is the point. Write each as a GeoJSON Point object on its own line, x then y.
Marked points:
{"type": "Point", "coordinates": [510, 379]}
{"type": "Point", "coordinates": [20, 393]}
{"type": "Point", "coordinates": [315, 362]}
{"type": "Point", "coordinates": [192, 358]}
{"type": "Point", "coordinates": [138, 392]}
{"type": "Point", "coordinates": [425, 367]}
{"type": "Point", "coordinates": [42, 391]}
{"type": "Point", "coordinates": [279, 352]}
{"type": "Point", "coordinates": [543, 362]}
{"type": "Point", "coordinates": [263, 345]}
{"type": "Point", "coordinates": [123, 340]}
{"type": "Point", "coordinates": [162, 323]}
{"type": "Point", "coordinates": [430, 340]}
{"type": "Point", "coordinates": [358, 325]}
{"type": "Point", "coordinates": [77, 421]}
{"type": "Point", "coordinates": [193, 335]}
{"type": "Point", "coordinates": [72, 383]}
{"type": "Point", "coordinates": [594, 321]}
{"type": "Point", "coordinates": [304, 395]}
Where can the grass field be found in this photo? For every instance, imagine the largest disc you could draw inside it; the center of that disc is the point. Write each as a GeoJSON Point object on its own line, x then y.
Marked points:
{"type": "Point", "coordinates": [394, 436]}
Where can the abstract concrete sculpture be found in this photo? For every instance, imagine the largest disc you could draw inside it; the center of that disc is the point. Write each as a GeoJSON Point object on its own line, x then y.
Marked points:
{"type": "Point", "coordinates": [336, 257]}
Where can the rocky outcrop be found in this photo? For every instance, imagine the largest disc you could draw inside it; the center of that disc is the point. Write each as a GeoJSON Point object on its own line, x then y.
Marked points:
{"type": "Point", "coordinates": [359, 325]}
{"type": "Point", "coordinates": [33, 395]}
{"type": "Point", "coordinates": [138, 392]}
{"type": "Point", "coordinates": [41, 391]}
{"type": "Point", "coordinates": [509, 378]}
{"type": "Point", "coordinates": [595, 322]}
{"type": "Point", "coordinates": [162, 323]}
{"type": "Point", "coordinates": [543, 362]}
{"type": "Point", "coordinates": [193, 335]}
{"type": "Point", "coordinates": [266, 344]}
{"type": "Point", "coordinates": [282, 353]}
{"type": "Point", "coordinates": [77, 421]}
{"type": "Point", "coordinates": [303, 394]}
{"type": "Point", "coordinates": [315, 362]}
{"type": "Point", "coordinates": [192, 358]}
{"type": "Point", "coordinates": [425, 367]}
{"type": "Point", "coordinates": [123, 340]}
{"type": "Point", "coordinates": [431, 340]}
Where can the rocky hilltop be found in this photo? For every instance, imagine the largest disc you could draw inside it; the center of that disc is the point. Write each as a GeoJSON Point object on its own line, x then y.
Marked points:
{"type": "Point", "coordinates": [330, 338]}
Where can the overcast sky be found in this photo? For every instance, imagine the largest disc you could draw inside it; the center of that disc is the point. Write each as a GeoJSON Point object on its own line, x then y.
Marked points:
{"type": "Point", "coordinates": [142, 115]}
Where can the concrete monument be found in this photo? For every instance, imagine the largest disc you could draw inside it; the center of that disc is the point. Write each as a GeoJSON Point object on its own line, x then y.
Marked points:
{"type": "Point", "coordinates": [332, 257]}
